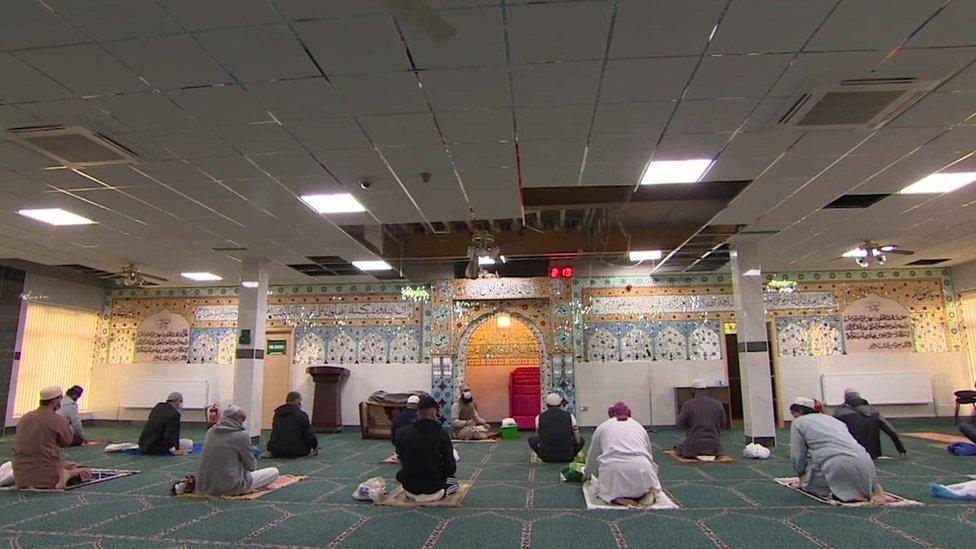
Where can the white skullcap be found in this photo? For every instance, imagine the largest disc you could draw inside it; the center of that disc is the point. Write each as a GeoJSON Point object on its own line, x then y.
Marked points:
{"type": "Point", "coordinates": [554, 399]}
{"type": "Point", "coordinates": [698, 383]}
{"type": "Point", "coordinates": [232, 410]}
{"type": "Point", "coordinates": [805, 402]}
{"type": "Point", "coordinates": [413, 399]}
{"type": "Point", "coordinates": [51, 393]}
{"type": "Point", "coordinates": [174, 396]}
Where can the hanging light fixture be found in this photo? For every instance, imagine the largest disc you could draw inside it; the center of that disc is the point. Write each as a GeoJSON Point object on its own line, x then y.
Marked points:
{"type": "Point", "coordinates": [503, 321]}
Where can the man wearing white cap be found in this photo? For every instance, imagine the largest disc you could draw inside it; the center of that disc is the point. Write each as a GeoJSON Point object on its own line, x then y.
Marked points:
{"type": "Point", "coordinates": [161, 434]}
{"type": "Point", "coordinates": [40, 436]}
{"type": "Point", "coordinates": [829, 462]}
{"type": "Point", "coordinates": [702, 418]}
{"type": "Point", "coordinates": [557, 438]}
{"type": "Point", "coordinates": [227, 465]}
{"type": "Point", "coordinates": [405, 417]}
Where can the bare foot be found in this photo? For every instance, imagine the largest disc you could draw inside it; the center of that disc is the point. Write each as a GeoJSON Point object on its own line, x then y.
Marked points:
{"type": "Point", "coordinates": [648, 499]}
{"type": "Point", "coordinates": [626, 502]}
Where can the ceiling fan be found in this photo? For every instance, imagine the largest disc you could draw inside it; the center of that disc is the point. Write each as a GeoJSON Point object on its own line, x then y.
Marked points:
{"type": "Point", "coordinates": [131, 276]}
{"type": "Point", "coordinates": [872, 253]}
{"type": "Point", "coordinates": [420, 16]}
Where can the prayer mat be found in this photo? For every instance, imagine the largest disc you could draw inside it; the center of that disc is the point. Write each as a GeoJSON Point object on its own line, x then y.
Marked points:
{"type": "Point", "coordinates": [392, 460]}
{"type": "Point", "coordinates": [662, 501]}
{"type": "Point", "coordinates": [718, 459]}
{"type": "Point", "coordinates": [944, 438]}
{"type": "Point", "coordinates": [98, 475]}
{"type": "Point", "coordinates": [196, 449]}
{"type": "Point", "coordinates": [457, 440]}
{"type": "Point", "coordinates": [398, 498]}
{"type": "Point", "coordinates": [96, 442]}
{"type": "Point", "coordinates": [279, 483]}
{"type": "Point", "coordinates": [890, 500]}
{"type": "Point", "coordinates": [534, 458]}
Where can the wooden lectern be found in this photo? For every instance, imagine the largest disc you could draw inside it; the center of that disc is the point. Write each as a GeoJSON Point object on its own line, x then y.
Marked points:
{"type": "Point", "coordinates": [327, 405]}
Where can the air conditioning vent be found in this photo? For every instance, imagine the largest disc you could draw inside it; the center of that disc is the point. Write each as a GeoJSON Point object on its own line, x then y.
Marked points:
{"type": "Point", "coordinates": [73, 146]}
{"type": "Point", "coordinates": [854, 103]}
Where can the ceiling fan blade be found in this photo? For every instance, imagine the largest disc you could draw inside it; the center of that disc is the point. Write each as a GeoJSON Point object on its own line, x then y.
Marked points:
{"type": "Point", "coordinates": [900, 251]}
{"type": "Point", "coordinates": [418, 15]}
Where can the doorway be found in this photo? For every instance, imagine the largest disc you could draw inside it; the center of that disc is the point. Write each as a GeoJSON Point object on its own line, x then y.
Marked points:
{"type": "Point", "coordinates": [277, 372]}
{"type": "Point", "coordinates": [496, 348]}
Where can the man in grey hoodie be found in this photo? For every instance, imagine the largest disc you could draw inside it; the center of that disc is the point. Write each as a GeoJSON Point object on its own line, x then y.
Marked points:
{"type": "Point", "coordinates": [228, 466]}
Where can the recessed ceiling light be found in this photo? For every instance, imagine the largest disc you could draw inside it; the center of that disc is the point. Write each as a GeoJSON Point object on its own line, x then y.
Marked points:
{"type": "Point", "coordinates": [333, 203]}
{"type": "Point", "coordinates": [372, 265]}
{"type": "Point", "coordinates": [856, 252]}
{"type": "Point", "coordinates": [642, 255]}
{"type": "Point", "coordinates": [249, 284]}
{"type": "Point", "coordinates": [201, 277]}
{"type": "Point", "coordinates": [485, 260]}
{"type": "Point", "coordinates": [675, 171]}
{"type": "Point", "coordinates": [939, 183]}
{"type": "Point", "coordinates": [55, 216]}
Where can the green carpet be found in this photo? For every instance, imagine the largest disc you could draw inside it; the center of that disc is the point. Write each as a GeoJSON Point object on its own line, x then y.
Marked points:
{"type": "Point", "coordinates": [514, 503]}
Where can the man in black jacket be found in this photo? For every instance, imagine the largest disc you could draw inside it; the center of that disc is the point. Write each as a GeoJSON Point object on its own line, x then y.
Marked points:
{"type": "Point", "coordinates": [161, 434]}
{"type": "Point", "coordinates": [291, 432]}
{"type": "Point", "coordinates": [558, 439]}
{"type": "Point", "coordinates": [865, 424]}
{"type": "Point", "coordinates": [427, 464]}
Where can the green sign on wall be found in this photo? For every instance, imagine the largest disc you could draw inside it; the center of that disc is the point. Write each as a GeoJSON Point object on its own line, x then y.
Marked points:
{"type": "Point", "coordinates": [277, 346]}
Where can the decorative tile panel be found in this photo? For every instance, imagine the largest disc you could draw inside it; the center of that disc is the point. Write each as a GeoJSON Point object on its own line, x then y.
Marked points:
{"type": "Point", "coordinates": [670, 344]}
{"type": "Point", "coordinates": [705, 344]}
{"type": "Point", "coordinates": [372, 349]}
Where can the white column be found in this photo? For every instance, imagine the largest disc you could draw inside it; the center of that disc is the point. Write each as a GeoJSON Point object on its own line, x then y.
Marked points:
{"type": "Point", "coordinates": [252, 313]}
{"type": "Point", "coordinates": [750, 322]}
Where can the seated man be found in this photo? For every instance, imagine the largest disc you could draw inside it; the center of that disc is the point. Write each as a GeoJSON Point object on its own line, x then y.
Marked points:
{"type": "Point", "coordinates": [427, 463]}
{"type": "Point", "coordinates": [405, 417]}
{"type": "Point", "coordinates": [865, 424]}
{"type": "Point", "coordinates": [291, 431]}
{"type": "Point", "coordinates": [620, 457]}
{"type": "Point", "coordinates": [466, 423]}
{"type": "Point", "coordinates": [703, 418]}
{"type": "Point", "coordinates": [40, 436]}
{"type": "Point", "coordinates": [826, 457]}
{"type": "Point", "coordinates": [227, 465]}
{"type": "Point", "coordinates": [557, 438]}
{"type": "Point", "coordinates": [69, 411]}
{"type": "Point", "coordinates": [161, 434]}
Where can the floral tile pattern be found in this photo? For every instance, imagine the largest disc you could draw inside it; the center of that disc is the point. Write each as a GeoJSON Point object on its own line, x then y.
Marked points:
{"type": "Point", "coordinates": [122, 349]}
{"type": "Point", "coordinates": [602, 346]}
{"type": "Point", "coordinates": [636, 345]}
{"type": "Point", "coordinates": [203, 349]}
{"type": "Point", "coordinates": [372, 349]}
{"type": "Point", "coordinates": [825, 339]}
{"type": "Point", "coordinates": [930, 336]}
{"type": "Point", "coordinates": [310, 349]}
{"type": "Point", "coordinates": [705, 344]}
{"type": "Point", "coordinates": [342, 349]}
{"type": "Point", "coordinates": [404, 349]}
{"type": "Point", "coordinates": [671, 345]}
{"type": "Point", "coordinates": [794, 339]}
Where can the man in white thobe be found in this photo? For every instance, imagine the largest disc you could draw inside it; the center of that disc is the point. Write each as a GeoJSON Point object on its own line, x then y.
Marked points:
{"type": "Point", "coordinates": [620, 457]}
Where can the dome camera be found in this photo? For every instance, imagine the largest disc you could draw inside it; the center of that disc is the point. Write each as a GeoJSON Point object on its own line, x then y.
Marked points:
{"type": "Point", "coordinates": [365, 183]}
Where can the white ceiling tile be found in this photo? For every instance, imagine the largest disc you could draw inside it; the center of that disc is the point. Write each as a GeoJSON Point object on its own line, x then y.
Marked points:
{"type": "Point", "coordinates": [676, 146]}
{"type": "Point", "coordinates": [316, 184]}
{"type": "Point", "coordinates": [476, 125]}
{"type": "Point", "coordinates": [945, 30]}
{"type": "Point", "coordinates": [196, 142]}
{"type": "Point", "coordinates": [28, 24]}
{"type": "Point", "coordinates": [13, 117]}
{"type": "Point", "coordinates": [563, 122]}
{"type": "Point", "coordinates": [959, 139]}
{"type": "Point", "coordinates": [964, 81]}
{"type": "Point", "coordinates": [699, 116]}
{"type": "Point", "coordinates": [120, 176]}
{"type": "Point", "coordinates": [329, 134]}
{"type": "Point", "coordinates": [469, 88]}
{"type": "Point", "coordinates": [78, 112]}
{"type": "Point", "coordinates": [146, 111]}
{"type": "Point", "coordinates": [737, 76]}
{"type": "Point", "coordinates": [645, 120]}
{"type": "Point", "coordinates": [302, 99]}
{"type": "Point", "coordinates": [556, 83]}
{"type": "Point", "coordinates": [219, 106]}
{"type": "Point", "coordinates": [768, 25]}
{"type": "Point", "coordinates": [21, 82]}
{"type": "Point", "coordinates": [226, 168]}
{"type": "Point", "coordinates": [175, 173]}
{"type": "Point", "coordinates": [290, 164]}
{"type": "Point", "coordinates": [16, 157]}
{"type": "Point", "coordinates": [85, 69]}
{"type": "Point", "coordinates": [172, 61]}
{"type": "Point", "coordinates": [195, 15]}
{"type": "Point", "coordinates": [108, 20]}
{"type": "Point", "coordinates": [145, 149]}
{"type": "Point", "coordinates": [401, 129]}
{"type": "Point", "coordinates": [646, 79]}
{"type": "Point", "coordinates": [475, 158]}
{"type": "Point", "coordinates": [494, 193]}
{"type": "Point", "coordinates": [616, 161]}
{"type": "Point", "coordinates": [388, 93]}
{"type": "Point", "coordinates": [442, 204]}
{"type": "Point", "coordinates": [389, 207]}
{"type": "Point", "coordinates": [831, 66]}
{"type": "Point", "coordinates": [644, 29]}
{"type": "Point", "coordinates": [409, 162]}
{"type": "Point", "coordinates": [940, 109]}
{"type": "Point", "coordinates": [355, 45]}
{"type": "Point", "coordinates": [251, 139]}
{"type": "Point", "coordinates": [478, 41]}
{"type": "Point", "coordinates": [552, 163]}
{"type": "Point", "coordinates": [859, 25]}
{"type": "Point", "coordinates": [262, 53]}
{"type": "Point", "coordinates": [349, 166]}
{"type": "Point", "coordinates": [315, 9]}
{"type": "Point", "coordinates": [748, 154]}
{"type": "Point", "coordinates": [558, 31]}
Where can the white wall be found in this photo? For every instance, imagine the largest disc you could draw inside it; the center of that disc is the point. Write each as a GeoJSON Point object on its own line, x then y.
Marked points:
{"type": "Point", "coordinates": [801, 376]}
{"type": "Point", "coordinates": [646, 386]}
{"type": "Point", "coordinates": [964, 277]}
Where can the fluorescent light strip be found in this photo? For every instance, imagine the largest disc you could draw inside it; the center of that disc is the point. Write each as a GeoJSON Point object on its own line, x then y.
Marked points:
{"type": "Point", "coordinates": [642, 255]}
{"type": "Point", "coordinates": [660, 172]}
{"type": "Point", "coordinates": [55, 216]}
{"type": "Point", "coordinates": [939, 183]}
{"type": "Point", "coordinates": [333, 203]}
{"type": "Point", "coordinates": [201, 277]}
{"type": "Point", "coordinates": [249, 284]}
{"type": "Point", "coordinates": [372, 265]}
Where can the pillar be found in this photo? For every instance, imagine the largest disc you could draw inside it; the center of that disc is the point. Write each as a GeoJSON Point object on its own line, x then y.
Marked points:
{"type": "Point", "coordinates": [750, 322]}
{"type": "Point", "coordinates": [252, 314]}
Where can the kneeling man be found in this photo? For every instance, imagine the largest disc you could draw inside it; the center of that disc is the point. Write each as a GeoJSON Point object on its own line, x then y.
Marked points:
{"type": "Point", "coordinates": [829, 462]}
{"type": "Point", "coordinates": [702, 418]}
{"type": "Point", "coordinates": [291, 432]}
{"type": "Point", "coordinates": [40, 436]}
{"type": "Point", "coordinates": [557, 438]}
{"type": "Point", "coordinates": [228, 466]}
{"type": "Point", "coordinates": [427, 464]}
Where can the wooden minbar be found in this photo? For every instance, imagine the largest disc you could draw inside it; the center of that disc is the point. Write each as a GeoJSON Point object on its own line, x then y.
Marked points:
{"type": "Point", "coordinates": [327, 405]}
